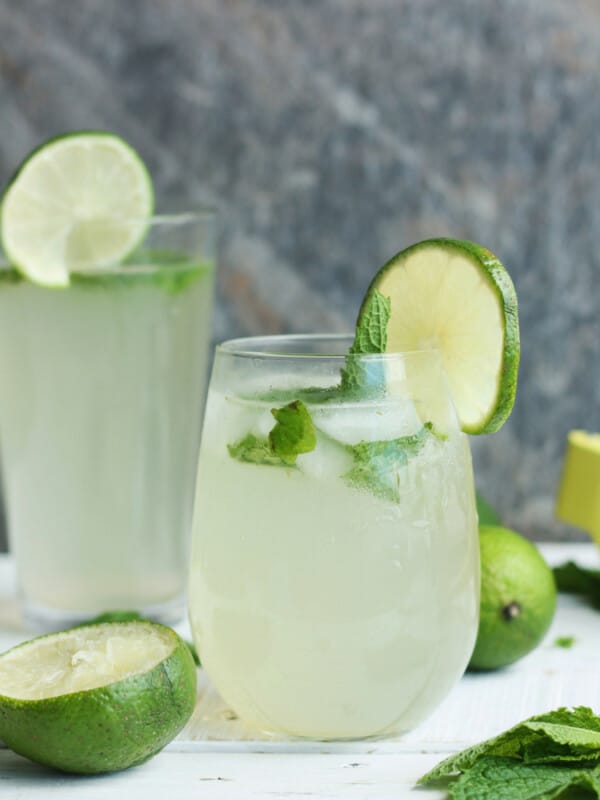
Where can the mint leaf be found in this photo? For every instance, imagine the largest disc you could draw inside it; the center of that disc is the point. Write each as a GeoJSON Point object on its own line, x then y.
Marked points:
{"type": "Point", "coordinates": [573, 579]}
{"type": "Point", "coordinates": [255, 450]}
{"type": "Point", "coordinates": [494, 778]}
{"type": "Point", "coordinates": [376, 464]}
{"type": "Point", "coordinates": [370, 337]}
{"type": "Point", "coordinates": [564, 641]}
{"type": "Point", "coordinates": [559, 737]}
{"type": "Point", "coordinates": [315, 395]}
{"type": "Point", "coordinates": [371, 331]}
{"type": "Point", "coordinates": [294, 432]}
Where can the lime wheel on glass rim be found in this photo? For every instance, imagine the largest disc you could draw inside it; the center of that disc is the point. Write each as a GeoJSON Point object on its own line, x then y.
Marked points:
{"type": "Point", "coordinates": [457, 297]}
{"type": "Point", "coordinates": [81, 201]}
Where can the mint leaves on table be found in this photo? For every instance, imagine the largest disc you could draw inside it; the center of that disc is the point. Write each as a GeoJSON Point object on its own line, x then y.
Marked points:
{"type": "Point", "coordinates": [573, 579]}
{"type": "Point", "coordinates": [543, 757]}
{"type": "Point", "coordinates": [293, 434]}
{"type": "Point", "coordinates": [376, 463]}
{"type": "Point", "coordinates": [494, 778]}
{"type": "Point", "coordinates": [564, 641]}
{"type": "Point", "coordinates": [370, 337]}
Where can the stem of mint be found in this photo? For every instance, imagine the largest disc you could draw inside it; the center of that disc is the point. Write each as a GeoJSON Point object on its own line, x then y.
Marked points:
{"type": "Point", "coordinates": [370, 337]}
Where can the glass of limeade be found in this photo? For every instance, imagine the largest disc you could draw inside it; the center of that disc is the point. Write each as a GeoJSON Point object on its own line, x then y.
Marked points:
{"type": "Point", "coordinates": [102, 387]}
{"type": "Point", "coordinates": [334, 586]}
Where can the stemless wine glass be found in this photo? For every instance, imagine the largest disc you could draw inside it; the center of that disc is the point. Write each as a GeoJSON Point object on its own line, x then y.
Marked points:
{"type": "Point", "coordinates": [334, 585]}
{"type": "Point", "coordinates": [101, 393]}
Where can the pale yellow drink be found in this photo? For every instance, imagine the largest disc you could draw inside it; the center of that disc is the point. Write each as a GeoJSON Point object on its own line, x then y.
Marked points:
{"type": "Point", "coordinates": [322, 607]}
{"type": "Point", "coordinates": [101, 395]}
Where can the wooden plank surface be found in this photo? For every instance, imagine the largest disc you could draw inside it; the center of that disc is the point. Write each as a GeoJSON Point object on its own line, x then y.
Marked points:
{"type": "Point", "coordinates": [221, 776]}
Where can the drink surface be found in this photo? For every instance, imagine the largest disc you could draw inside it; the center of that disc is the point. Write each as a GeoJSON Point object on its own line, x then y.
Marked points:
{"type": "Point", "coordinates": [322, 607]}
{"type": "Point", "coordinates": [100, 408]}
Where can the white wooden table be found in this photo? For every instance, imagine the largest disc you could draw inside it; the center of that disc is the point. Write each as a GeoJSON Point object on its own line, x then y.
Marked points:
{"type": "Point", "coordinates": [216, 758]}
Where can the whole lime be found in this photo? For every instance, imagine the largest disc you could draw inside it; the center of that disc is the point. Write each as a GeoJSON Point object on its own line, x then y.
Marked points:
{"type": "Point", "coordinates": [97, 698]}
{"type": "Point", "coordinates": [518, 598]}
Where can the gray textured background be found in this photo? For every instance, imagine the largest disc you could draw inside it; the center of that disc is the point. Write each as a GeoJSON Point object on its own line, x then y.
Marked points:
{"type": "Point", "coordinates": [334, 133]}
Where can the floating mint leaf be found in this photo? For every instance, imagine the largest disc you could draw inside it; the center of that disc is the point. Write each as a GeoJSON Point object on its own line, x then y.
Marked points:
{"type": "Point", "coordinates": [294, 432]}
{"type": "Point", "coordinates": [316, 395]}
{"type": "Point", "coordinates": [376, 464]}
{"type": "Point", "coordinates": [370, 337]}
{"type": "Point", "coordinates": [564, 736]}
{"type": "Point", "coordinates": [494, 778]}
{"type": "Point", "coordinates": [254, 450]}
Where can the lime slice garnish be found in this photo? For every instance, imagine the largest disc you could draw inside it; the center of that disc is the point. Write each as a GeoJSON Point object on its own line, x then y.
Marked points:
{"type": "Point", "coordinates": [96, 698]}
{"type": "Point", "coordinates": [79, 202]}
{"type": "Point", "coordinates": [457, 297]}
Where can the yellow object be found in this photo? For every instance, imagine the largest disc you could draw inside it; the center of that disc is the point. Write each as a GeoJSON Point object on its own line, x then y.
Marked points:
{"type": "Point", "coordinates": [578, 501]}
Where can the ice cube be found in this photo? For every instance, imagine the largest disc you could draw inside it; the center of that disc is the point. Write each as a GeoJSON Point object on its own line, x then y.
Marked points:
{"type": "Point", "coordinates": [328, 459]}
{"type": "Point", "coordinates": [353, 423]}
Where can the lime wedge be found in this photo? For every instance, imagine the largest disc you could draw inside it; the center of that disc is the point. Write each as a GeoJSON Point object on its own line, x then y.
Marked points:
{"type": "Point", "coordinates": [457, 297]}
{"type": "Point", "coordinates": [97, 698]}
{"type": "Point", "coordinates": [79, 202]}
{"type": "Point", "coordinates": [578, 499]}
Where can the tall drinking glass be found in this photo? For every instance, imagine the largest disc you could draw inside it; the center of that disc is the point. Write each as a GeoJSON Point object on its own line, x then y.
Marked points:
{"type": "Point", "coordinates": [334, 586]}
{"type": "Point", "coordinates": [101, 394]}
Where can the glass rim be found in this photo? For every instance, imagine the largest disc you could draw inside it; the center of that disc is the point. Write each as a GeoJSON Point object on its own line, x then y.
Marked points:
{"type": "Point", "coordinates": [249, 347]}
{"type": "Point", "coordinates": [179, 217]}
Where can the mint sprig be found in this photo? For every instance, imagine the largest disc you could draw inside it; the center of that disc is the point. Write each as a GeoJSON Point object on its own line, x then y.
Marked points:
{"type": "Point", "coordinates": [293, 434]}
{"type": "Point", "coordinates": [539, 758]}
{"type": "Point", "coordinates": [370, 337]}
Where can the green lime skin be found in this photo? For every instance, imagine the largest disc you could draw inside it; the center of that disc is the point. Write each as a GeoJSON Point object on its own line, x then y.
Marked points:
{"type": "Point", "coordinates": [109, 728]}
{"type": "Point", "coordinates": [486, 512]}
{"type": "Point", "coordinates": [492, 271]}
{"type": "Point", "coordinates": [518, 598]}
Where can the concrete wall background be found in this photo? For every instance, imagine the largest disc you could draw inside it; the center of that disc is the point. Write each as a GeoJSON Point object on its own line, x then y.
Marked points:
{"type": "Point", "coordinates": [333, 133]}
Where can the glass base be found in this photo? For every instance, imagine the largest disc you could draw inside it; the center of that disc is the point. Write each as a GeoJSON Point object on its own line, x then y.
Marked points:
{"type": "Point", "coordinates": [43, 619]}
{"type": "Point", "coordinates": [393, 732]}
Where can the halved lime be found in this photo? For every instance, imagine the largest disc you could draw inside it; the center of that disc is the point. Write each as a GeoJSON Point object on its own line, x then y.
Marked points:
{"type": "Point", "coordinates": [78, 202]}
{"type": "Point", "coordinates": [97, 698]}
{"type": "Point", "coordinates": [457, 297]}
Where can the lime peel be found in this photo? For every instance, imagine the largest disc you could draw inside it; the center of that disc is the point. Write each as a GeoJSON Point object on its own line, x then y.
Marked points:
{"type": "Point", "coordinates": [122, 691]}
{"type": "Point", "coordinates": [79, 202]}
{"type": "Point", "coordinates": [456, 296]}
{"type": "Point", "coordinates": [518, 598]}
